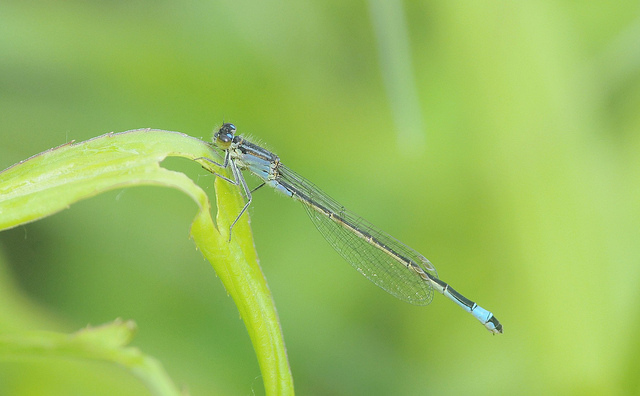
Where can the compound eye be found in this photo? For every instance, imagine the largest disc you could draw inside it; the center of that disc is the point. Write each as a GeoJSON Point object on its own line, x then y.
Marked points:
{"type": "Point", "coordinates": [224, 136]}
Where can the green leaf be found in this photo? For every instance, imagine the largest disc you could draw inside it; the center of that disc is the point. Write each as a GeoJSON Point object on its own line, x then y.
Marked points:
{"type": "Point", "coordinates": [104, 343]}
{"type": "Point", "coordinates": [51, 181]}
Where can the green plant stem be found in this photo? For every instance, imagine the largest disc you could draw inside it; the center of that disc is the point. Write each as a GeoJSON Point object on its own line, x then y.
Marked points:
{"type": "Point", "coordinates": [51, 181]}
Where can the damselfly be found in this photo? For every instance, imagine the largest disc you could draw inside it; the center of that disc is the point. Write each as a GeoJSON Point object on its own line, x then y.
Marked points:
{"type": "Point", "coordinates": [384, 260]}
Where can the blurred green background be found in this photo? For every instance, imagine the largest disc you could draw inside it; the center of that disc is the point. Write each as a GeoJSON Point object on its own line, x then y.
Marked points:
{"type": "Point", "coordinates": [499, 139]}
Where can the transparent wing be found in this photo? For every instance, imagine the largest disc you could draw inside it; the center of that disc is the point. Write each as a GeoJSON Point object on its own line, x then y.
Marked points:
{"type": "Point", "coordinates": [387, 262]}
